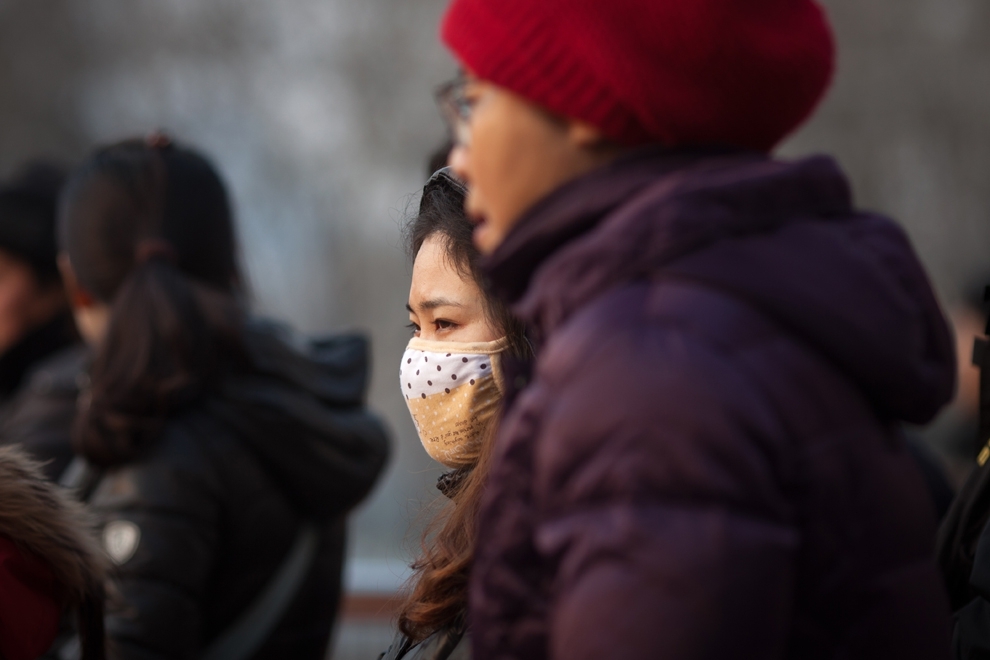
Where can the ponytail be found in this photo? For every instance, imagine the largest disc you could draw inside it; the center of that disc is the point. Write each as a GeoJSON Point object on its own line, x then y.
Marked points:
{"type": "Point", "coordinates": [167, 342]}
{"type": "Point", "coordinates": [147, 229]}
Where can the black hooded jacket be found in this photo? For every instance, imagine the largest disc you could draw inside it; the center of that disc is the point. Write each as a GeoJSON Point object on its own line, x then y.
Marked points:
{"type": "Point", "coordinates": [216, 505]}
{"type": "Point", "coordinates": [40, 417]}
{"type": "Point", "coordinates": [17, 363]}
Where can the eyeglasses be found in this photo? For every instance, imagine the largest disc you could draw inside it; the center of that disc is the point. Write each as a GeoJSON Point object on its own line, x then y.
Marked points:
{"type": "Point", "coordinates": [456, 108]}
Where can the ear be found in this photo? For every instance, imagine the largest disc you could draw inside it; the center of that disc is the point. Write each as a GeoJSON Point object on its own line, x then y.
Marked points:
{"type": "Point", "coordinates": [586, 136]}
{"type": "Point", "coordinates": [79, 297]}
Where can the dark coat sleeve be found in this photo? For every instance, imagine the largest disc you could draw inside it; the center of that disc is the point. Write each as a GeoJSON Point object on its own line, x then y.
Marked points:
{"type": "Point", "coordinates": [659, 506]}
{"type": "Point", "coordinates": [173, 499]}
{"type": "Point", "coordinates": [40, 418]}
{"type": "Point", "coordinates": [971, 630]}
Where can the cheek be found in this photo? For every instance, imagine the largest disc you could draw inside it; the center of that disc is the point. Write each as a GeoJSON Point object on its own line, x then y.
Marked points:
{"type": "Point", "coordinates": [486, 158]}
{"type": "Point", "coordinates": [509, 149]}
{"type": "Point", "coordinates": [478, 330]}
{"type": "Point", "coordinates": [498, 146]}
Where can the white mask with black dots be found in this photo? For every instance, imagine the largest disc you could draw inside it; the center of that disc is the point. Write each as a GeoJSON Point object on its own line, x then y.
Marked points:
{"type": "Point", "coordinates": [454, 392]}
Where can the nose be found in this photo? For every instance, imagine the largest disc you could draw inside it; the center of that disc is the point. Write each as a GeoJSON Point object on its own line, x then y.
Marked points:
{"type": "Point", "coordinates": [458, 161]}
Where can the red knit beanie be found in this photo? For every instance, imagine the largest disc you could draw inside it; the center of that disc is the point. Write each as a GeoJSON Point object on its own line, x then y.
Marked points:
{"type": "Point", "coordinates": [741, 73]}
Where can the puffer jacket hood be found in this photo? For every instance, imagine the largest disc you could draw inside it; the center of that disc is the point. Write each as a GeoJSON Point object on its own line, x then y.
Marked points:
{"type": "Point", "coordinates": [301, 410]}
{"type": "Point", "coordinates": [783, 237]}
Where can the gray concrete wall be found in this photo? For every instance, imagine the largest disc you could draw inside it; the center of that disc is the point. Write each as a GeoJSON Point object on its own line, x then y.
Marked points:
{"type": "Point", "coordinates": [909, 119]}
{"type": "Point", "coordinates": [319, 113]}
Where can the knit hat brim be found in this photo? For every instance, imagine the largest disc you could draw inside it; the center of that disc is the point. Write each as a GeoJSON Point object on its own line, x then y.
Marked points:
{"type": "Point", "coordinates": [704, 73]}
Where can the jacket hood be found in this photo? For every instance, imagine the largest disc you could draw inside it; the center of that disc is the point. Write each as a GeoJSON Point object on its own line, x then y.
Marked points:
{"type": "Point", "coordinates": [783, 237]}
{"type": "Point", "coordinates": [40, 519]}
{"type": "Point", "coordinates": [301, 410]}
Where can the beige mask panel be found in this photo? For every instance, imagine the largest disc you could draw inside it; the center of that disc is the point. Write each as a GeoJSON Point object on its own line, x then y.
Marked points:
{"type": "Point", "coordinates": [454, 392]}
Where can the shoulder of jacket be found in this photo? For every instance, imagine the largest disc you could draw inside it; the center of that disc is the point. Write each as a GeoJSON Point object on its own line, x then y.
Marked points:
{"type": "Point", "coordinates": [450, 643]}
{"type": "Point", "coordinates": [184, 462]}
{"type": "Point", "coordinates": [64, 373]}
{"type": "Point", "coordinates": [660, 320]}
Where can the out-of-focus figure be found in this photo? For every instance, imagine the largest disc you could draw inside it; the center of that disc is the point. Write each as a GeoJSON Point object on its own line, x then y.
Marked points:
{"type": "Point", "coordinates": [954, 434]}
{"type": "Point", "coordinates": [34, 314]}
{"type": "Point", "coordinates": [964, 537]}
{"type": "Point", "coordinates": [221, 453]}
{"type": "Point", "coordinates": [49, 563]}
{"type": "Point", "coordinates": [452, 380]}
{"type": "Point", "coordinates": [707, 459]}
{"type": "Point", "coordinates": [36, 325]}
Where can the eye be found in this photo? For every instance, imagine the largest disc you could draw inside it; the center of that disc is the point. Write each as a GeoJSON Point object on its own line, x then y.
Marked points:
{"type": "Point", "coordinates": [443, 324]}
{"type": "Point", "coordinates": [414, 328]}
{"type": "Point", "coordinates": [467, 99]}
{"type": "Point", "coordinates": [463, 107]}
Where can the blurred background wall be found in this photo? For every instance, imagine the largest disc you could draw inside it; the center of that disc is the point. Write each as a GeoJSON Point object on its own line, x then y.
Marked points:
{"type": "Point", "coordinates": [320, 115]}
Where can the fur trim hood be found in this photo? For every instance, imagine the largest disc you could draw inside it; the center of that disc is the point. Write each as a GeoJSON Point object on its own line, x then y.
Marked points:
{"type": "Point", "coordinates": [36, 515]}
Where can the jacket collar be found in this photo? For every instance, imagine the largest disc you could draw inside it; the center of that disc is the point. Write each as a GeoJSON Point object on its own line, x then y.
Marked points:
{"type": "Point", "coordinates": [571, 211]}
{"type": "Point", "coordinates": [627, 219]}
{"type": "Point", "coordinates": [780, 236]}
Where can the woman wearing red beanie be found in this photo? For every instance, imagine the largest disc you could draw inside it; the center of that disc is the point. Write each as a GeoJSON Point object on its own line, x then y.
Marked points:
{"type": "Point", "coordinates": [705, 459]}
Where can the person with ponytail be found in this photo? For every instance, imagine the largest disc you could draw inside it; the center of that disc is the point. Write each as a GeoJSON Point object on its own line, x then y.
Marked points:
{"type": "Point", "coordinates": [221, 453]}
{"type": "Point", "coordinates": [451, 379]}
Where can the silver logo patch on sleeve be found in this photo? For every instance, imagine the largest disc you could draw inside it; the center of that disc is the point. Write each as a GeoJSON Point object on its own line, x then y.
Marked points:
{"type": "Point", "coordinates": [120, 540]}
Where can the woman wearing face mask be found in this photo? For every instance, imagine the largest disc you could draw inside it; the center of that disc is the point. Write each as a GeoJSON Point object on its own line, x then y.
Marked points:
{"type": "Point", "coordinates": [221, 453]}
{"type": "Point", "coordinates": [451, 379]}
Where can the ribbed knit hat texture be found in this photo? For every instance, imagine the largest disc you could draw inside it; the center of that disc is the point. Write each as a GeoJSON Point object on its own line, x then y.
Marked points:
{"type": "Point", "coordinates": [740, 73]}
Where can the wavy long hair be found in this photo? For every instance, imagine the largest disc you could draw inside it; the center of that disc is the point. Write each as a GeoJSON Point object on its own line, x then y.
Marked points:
{"type": "Point", "coordinates": [147, 229]}
{"type": "Point", "coordinates": [438, 596]}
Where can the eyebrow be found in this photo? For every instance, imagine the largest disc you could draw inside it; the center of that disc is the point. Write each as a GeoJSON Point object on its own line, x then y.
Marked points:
{"type": "Point", "coordinates": [427, 305]}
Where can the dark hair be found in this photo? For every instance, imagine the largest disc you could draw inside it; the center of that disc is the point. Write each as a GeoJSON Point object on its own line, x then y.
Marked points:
{"type": "Point", "coordinates": [147, 229]}
{"type": "Point", "coordinates": [438, 597]}
{"type": "Point", "coordinates": [27, 217]}
{"type": "Point", "coordinates": [441, 213]}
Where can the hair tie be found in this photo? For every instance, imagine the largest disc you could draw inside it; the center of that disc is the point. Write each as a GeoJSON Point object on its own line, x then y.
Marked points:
{"type": "Point", "coordinates": [154, 248]}
{"type": "Point", "coordinates": [158, 140]}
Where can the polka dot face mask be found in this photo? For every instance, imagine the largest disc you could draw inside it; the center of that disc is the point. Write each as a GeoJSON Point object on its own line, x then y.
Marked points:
{"type": "Point", "coordinates": [453, 391]}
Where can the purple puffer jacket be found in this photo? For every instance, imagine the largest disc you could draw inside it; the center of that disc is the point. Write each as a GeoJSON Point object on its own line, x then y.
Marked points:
{"type": "Point", "coordinates": [707, 462]}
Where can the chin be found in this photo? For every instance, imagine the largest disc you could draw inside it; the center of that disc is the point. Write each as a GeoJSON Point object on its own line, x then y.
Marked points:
{"type": "Point", "coordinates": [485, 239]}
